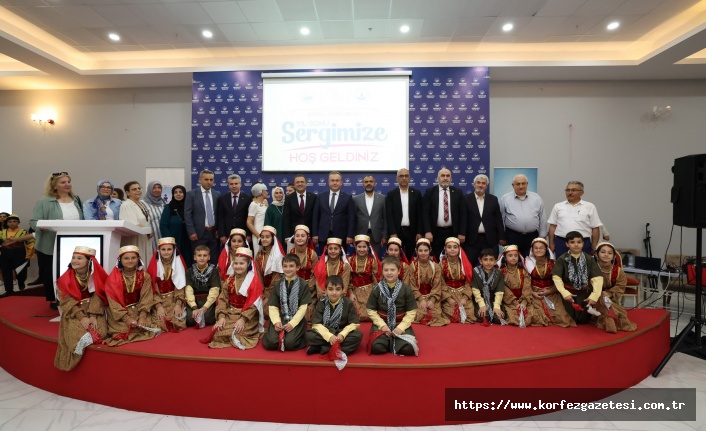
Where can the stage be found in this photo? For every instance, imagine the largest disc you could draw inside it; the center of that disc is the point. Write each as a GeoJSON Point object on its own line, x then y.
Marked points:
{"type": "Point", "coordinates": [174, 374]}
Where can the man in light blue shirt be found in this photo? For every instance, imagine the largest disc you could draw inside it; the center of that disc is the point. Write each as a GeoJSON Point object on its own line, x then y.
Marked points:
{"type": "Point", "coordinates": [523, 215]}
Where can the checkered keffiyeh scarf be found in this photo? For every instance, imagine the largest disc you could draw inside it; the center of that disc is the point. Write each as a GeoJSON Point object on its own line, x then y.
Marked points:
{"type": "Point", "coordinates": [289, 303]}
{"type": "Point", "coordinates": [332, 320]}
{"type": "Point", "coordinates": [390, 297]}
{"type": "Point", "coordinates": [488, 281]}
{"type": "Point", "coordinates": [578, 271]}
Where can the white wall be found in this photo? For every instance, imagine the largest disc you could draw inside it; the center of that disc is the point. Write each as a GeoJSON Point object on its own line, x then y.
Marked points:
{"type": "Point", "coordinates": [592, 132]}
{"type": "Point", "coordinates": [588, 131]}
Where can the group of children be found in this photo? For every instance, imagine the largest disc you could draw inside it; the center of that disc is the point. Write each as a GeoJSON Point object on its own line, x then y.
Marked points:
{"type": "Point", "coordinates": [333, 293]}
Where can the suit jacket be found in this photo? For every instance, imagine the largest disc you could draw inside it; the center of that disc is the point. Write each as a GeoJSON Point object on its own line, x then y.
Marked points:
{"type": "Point", "coordinates": [393, 211]}
{"type": "Point", "coordinates": [492, 219]}
{"type": "Point", "coordinates": [343, 216]}
{"type": "Point", "coordinates": [376, 218]}
{"type": "Point", "coordinates": [228, 218]}
{"type": "Point", "coordinates": [457, 209]}
{"type": "Point", "coordinates": [195, 211]}
{"type": "Point", "coordinates": [291, 216]}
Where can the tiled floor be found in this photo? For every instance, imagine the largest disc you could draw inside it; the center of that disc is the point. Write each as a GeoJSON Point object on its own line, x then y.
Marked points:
{"type": "Point", "coordinates": [23, 407]}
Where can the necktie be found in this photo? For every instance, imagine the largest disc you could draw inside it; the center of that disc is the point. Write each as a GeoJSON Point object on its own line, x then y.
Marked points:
{"type": "Point", "coordinates": [235, 201]}
{"type": "Point", "coordinates": [332, 204]}
{"type": "Point", "coordinates": [301, 203]}
{"type": "Point", "coordinates": [446, 206]}
{"type": "Point", "coordinates": [209, 209]}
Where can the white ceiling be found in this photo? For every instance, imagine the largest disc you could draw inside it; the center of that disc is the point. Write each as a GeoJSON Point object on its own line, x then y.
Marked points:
{"type": "Point", "coordinates": [64, 43]}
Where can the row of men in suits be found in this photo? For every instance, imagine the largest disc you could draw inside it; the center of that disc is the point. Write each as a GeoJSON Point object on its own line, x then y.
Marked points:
{"type": "Point", "coordinates": [442, 211]}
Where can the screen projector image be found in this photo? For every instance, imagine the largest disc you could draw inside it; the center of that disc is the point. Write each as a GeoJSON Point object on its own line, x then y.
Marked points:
{"type": "Point", "coordinates": [346, 122]}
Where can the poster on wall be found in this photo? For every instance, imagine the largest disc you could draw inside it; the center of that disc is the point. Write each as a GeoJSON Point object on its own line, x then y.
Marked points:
{"type": "Point", "coordinates": [168, 177]}
{"type": "Point", "coordinates": [502, 179]}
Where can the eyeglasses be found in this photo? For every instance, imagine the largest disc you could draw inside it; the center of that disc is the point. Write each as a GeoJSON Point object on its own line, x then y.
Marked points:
{"type": "Point", "coordinates": [107, 187]}
{"type": "Point", "coordinates": [59, 174]}
{"type": "Point", "coordinates": [573, 190]}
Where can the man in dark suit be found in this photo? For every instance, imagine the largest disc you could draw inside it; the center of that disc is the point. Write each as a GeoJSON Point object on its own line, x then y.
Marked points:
{"type": "Point", "coordinates": [444, 212]}
{"type": "Point", "coordinates": [485, 220]}
{"type": "Point", "coordinates": [298, 207]}
{"type": "Point", "coordinates": [334, 213]}
{"type": "Point", "coordinates": [200, 214]}
{"type": "Point", "coordinates": [232, 209]}
{"type": "Point", "coordinates": [370, 215]}
{"type": "Point", "coordinates": [403, 209]}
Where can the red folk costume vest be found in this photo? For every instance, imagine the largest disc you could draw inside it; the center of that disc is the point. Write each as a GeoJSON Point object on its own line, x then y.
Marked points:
{"type": "Point", "coordinates": [307, 268]}
{"type": "Point", "coordinates": [117, 290]}
{"type": "Point", "coordinates": [517, 291]}
{"type": "Point", "coordinates": [449, 278]}
{"type": "Point", "coordinates": [538, 280]}
{"type": "Point", "coordinates": [361, 276]}
{"type": "Point", "coordinates": [424, 288]}
{"type": "Point", "coordinates": [235, 299]}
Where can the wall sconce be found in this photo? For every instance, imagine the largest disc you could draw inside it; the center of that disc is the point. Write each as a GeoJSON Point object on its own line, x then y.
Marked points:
{"type": "Point", "coordinates": [43, 118]}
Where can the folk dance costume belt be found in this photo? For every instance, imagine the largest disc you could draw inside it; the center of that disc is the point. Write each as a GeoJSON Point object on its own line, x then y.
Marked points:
{"type": "Point", "coordinates": [398, 316]}
{"type": "Point", "coordinates": [366, 287]}
{"type": "Point", "coordinates": [201, 296]}
{"type": "Point", "coordinates": [425, 288]}
{"type": "Point", "coordinates": [455, 283]}
{"type": "Point", "coordinates": [361, 280]}
{"type": "Point", "coordinates": [164, 295]}
{"type": "Point", "coordinates": [84, 301]}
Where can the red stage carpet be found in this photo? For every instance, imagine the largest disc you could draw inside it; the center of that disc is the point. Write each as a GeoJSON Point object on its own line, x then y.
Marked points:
{"type": "Point", "coordinates": [174, 374]}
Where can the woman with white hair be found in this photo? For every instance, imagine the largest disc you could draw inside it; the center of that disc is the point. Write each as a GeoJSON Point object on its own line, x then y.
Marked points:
{"type": "Point", "coordinates": [256, 213]}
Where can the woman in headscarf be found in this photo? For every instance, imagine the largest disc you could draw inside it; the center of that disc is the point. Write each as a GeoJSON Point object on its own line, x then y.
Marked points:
{"type": "Point", "coordinates": [273, 215]}
{"type": "Point", "coordinates": [103, 206]}
{"type": "Point", "coordinates": [154, 204]}
{"type": "Point", "coordinates": [256, 214]}
{"type": "Point", "coordinates": [134, 210]}
{"type": "Point", "coordinates": [81, 291]}
{"type": "Point", "coordinates": [172, 224]}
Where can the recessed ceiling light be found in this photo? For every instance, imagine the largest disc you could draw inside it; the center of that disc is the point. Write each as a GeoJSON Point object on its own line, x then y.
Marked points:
{"type": "Point", "coordinates": [207, 34]}
{"type": "Point", "coordinates": [509, 26]}
{"type": "Point", "coordinates": [304, 31]}
{"type": "Point", "coordinates": [404, 29]}
{"type": "Point", "coordinates": [613, 25]}
{"type": "Point", "coordinates": [114, 37]}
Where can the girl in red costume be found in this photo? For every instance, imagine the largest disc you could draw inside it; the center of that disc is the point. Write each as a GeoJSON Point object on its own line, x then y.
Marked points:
{"type": "Point", "coordinates": [366, 272]}
{"type": "Point", "coordinates": [237, 239]}
{"type": "Point", "coordinates": [167, 270]}
{"type": "Point", "coordinates": [304, 249]}
{"type": "Point", "coordinates": [333, 262]}
{"type": "Point", "coordinates": [269, 262]}
{"type": "Point", "coordinates": [394, 249]}
{"type": "Point", "coordinates": [81, 291]}
{"type": "Point", "coordinates": [456, 293]}
{"type": "Point", "coordinates": [523, 309]}
{"type": "Point", "coordinates": [539, 265]}
{"type": "Point", "coordinates": [424, 277]}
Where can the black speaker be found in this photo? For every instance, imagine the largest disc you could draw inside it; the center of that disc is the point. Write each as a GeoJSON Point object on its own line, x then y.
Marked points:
{"type": "Point", "coordinates": [689, 191]}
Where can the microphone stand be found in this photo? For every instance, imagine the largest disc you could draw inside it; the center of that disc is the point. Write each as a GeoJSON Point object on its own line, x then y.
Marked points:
{"type": "Point", "coordinates": [651, 279]}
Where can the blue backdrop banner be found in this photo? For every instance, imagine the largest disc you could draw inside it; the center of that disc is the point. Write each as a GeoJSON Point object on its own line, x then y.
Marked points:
{"type": "Point", "coordinates": [449, 127]}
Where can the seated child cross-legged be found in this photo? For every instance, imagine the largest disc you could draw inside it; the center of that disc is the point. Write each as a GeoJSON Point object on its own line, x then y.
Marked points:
{"type": "Point", "coordinates": [288, 303]}
{"type": "Point", "coordinates": [456, 294]}
{"type": "Point", "coordinates": [424, 278]}
{"type": "Point", "coordinates": [578, 279]}
{"type": "Point", "coordinates": [334, 320]}
{"type": "Point", "coordinates": [239, 307]}
{"type": "Point", "coordinates": [613, 316]}
{"type": "Point", "coordinates": [488, 289]}
{"type": "Point", "coordinates": [539, 265]}
{"type": "Point", "coordinates": [392, 309]}
{"type": "Point", "coordinates": [523, 308]}
{"type": "Point", "coordinates": [203, 283]}
{"type": "Point", "coordinates": [167, 270]}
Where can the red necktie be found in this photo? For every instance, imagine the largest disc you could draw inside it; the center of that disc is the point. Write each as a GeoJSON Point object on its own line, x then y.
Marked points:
{"type": "Point", "coordinates": [301, 203]}
{"type": "Point", "coordinates": [446, 206]}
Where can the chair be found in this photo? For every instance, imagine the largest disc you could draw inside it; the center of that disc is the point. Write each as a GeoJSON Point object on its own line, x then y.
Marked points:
{"type": "Point", "coordinates": [632, 289]}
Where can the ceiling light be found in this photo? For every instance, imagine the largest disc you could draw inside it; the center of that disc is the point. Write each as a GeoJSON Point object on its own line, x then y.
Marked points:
{"type": "Point", "coordinates": [404, 29]}
{"type": "Point", "coordinates": [207, 34]}
{"type": "Point", "coordinates": [613, 25]}
{"type": "Point", "coordinates": [507, 27]}
{"type": "Point", "coordinates": [114, 37]}
{"type": "Point", "coordinates": [304, 31]}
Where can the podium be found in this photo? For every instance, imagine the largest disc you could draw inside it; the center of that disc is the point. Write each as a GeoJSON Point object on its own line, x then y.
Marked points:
{"type": "Point", "coordinates": [103, 235]}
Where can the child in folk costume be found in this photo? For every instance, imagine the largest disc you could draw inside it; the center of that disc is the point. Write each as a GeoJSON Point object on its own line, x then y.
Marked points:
{"type": "Point", "coordinates": [304, 250]}
{"type": "Point", "coordinates": [488, 289]}
{"type": "Point", "coordinates": [333, 262]}
{"type": "Point", "coordinates": [394, 248]}
{"type": "Point", "coordinates": [288, 304]}
{"type": "Point", "coordinates": [456, 293]}
{"type": "Point", "coordinates": [539, 265]}
{"type": "Point", "coordinates": [167, 270]}
{"type": "Point", "coordinates": [335, 321]}
{"type": "Point", "coordinates": [613, 316]}
{"type": "Point", "coordinates": [239, 309]}
{"type": "Point", "coordinates": [132, 305]}
{"type": "Point", "coordinates": [365, 273]}
{"type": "Point", "coordinates": [237, 239]}
{"type": "Point", "coordinates": [16, 249]}
{"type": "Point", "coordinates": [579, 279]}
{"type": "Point", "coordinates": [521, 307]}
{"type": "Point", "coordinates": [392, 309]}
{"type": "Point", "coordinates": [425, 279]}
{"type": "Point", "coordinates": [269, 262]}
{"type": "Point", "coordinates": [81, 292]}
{"type": "Point", "coordinates": [203, 284]}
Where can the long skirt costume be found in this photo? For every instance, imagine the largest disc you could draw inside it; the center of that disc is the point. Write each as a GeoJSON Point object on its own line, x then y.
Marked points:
{"type": "Point", "coordinates": [130, 303]}
{"type": "Point", "coordinates": [613, 318]}
{"type": "Point", "coordinates": [168, 283]}
{"type": "Point", "coordinates": [240, 297]}
{"type": "Point", "coordinates": [76, 302]}
{"type": "Point", "coordinates": [552, 304]}
{"type": "Point", "coordinates": [364, 276]}
{"type": "Point", "coordinates": [456, 288]}
{"type": "Point", "coordinates": [426, 283]}
{"type": "Point", "coordinates": [518, 291]}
